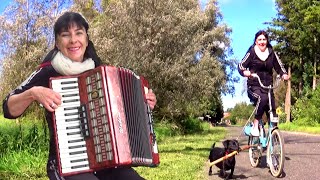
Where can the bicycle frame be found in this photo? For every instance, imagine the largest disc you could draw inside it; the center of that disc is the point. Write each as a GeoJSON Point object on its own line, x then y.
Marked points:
{"type": "Point", "coordinates": [265, 139]}
{"type": "Point", "coordinates": [272, 141]}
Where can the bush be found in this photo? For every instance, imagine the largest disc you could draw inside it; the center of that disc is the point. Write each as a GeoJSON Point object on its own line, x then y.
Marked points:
{"type": "Point", "coordinates": [306, 109]}
{"type": "Point", "coordinates": [191, 125]}
{"type": "Point", "coordinates": [166, 129]}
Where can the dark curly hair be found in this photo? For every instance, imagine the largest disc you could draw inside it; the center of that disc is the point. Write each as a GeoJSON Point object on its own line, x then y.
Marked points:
{"type": "Point", "coordinates": [65, 22]}
{"type": "Point", "coordinates": [262, 32]}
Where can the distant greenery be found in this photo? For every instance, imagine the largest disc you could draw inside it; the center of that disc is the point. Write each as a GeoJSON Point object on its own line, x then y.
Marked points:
{"type": "Point", "coordinates": [240, 113]}
{"type": "Point", "coordinates": [183, 155]}
{"type": "Point", "coordinates": [306, 112]}
{"type": "Point", "coordinates": [300, 128]}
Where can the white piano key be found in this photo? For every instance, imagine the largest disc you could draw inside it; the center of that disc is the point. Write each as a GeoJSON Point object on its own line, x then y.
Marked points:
{"type": "Point", "coordinates": [69, 104]}
{"type": "Point", "coordinates": [63, 145]}
{"type": "Point", "coordinates": [65, 125]}
{"type": "Point", "coordinates": [65, 132]}
{"type": "Point", "coordinates": [62, 136]}
{"type": "Point", "coordinates": [68, 125]}
{"type": "Point", "coordinates": [67, 94]}
{"type": "Point", "coordinates": [70, 170]}
{"type": "Point", "coordinates": [62, 119]}
{"type": "Point", "coordinates": [73, 152]}
{"type": "Point", "coordinates": [72, 147]}
{"type": "Point", "coordinates": [68, 163]}
{"type": "Point", "coordinates": [64, 110]}
{"type": "Point", "coordinates": [59, 85]}
{"type": "Point", "coordinates": [70, 100]}
{"type": "Point", "coordinates": [70, 139]}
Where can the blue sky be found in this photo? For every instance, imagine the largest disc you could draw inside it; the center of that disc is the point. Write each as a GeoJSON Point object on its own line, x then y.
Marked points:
{"type": "Point", "coordinates": [3, 4]}
{"type": "Point", "coordinates": [245, 17]}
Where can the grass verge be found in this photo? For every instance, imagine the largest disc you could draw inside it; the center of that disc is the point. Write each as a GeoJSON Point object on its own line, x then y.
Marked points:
{"type": "Point", "coordinates": [182, 157]}
{"type": "Point", "coordinates": [298, 128]}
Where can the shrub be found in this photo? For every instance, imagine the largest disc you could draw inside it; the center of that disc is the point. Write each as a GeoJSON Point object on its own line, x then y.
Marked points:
{"type": "Point", "coordinates": [306, 109]}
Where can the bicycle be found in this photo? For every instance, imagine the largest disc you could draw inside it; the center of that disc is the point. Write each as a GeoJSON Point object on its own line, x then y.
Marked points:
{"type": "Point", "coordinates": [272, 141]}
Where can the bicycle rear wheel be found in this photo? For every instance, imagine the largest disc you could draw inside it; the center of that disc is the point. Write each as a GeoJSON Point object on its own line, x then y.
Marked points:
{"type": "Point", "coordinates": [275, 153]}
{"type": "Point", "coordinates": [254, 151]}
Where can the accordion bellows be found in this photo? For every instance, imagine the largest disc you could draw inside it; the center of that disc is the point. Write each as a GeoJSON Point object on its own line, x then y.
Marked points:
{"type": "Point", "coordinates": [104, 121]}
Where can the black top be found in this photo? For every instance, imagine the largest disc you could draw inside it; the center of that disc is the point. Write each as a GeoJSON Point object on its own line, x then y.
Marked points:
{"type": "Point", "coordinates": [264, 69]}
{"type": "Point", "coordinates": [40, 77]}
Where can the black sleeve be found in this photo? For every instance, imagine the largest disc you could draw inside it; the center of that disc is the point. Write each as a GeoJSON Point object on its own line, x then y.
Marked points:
{"type": "Point", "coordinates": [39, 77]}
{"type": "Point", "coordinates": [278, 65]}
{"type": "Point", "coordinates": [244, 64]}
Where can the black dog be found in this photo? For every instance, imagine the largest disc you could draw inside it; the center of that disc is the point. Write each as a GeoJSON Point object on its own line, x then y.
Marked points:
{"type": "Point", "coordinates": [227, 164]}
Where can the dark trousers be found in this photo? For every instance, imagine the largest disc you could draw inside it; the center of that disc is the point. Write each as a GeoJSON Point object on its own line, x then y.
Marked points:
{"type": "Point", "coordinates": [259, 97]}
{"type": "Point", "coordinates": [121, 173]}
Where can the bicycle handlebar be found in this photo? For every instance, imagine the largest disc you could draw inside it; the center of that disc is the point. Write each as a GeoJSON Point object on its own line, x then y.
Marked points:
{"type": "Point", "coordinates": [278, 78]}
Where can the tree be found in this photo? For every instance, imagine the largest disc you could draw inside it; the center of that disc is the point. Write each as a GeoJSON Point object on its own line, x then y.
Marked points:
{"type": "Point", "coordinates": [25, 36]}
{"type": "Point", "coordinates": [179, 48]}
{"type": "Point", "coordinates": [296, 30]}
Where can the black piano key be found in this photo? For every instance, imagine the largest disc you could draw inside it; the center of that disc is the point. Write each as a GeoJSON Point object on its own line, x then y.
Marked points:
{"type": "Point", "coordinates": [77, 152]}
{"type": "Point", "coordinates": [70, 108]}
{"type": "Point", "coordinates": [75, 147]}
{"type": "Point", "coordinates": [69, 82]}
{"type": "Point", "coordinates": [73, 127]}
{"type": "Point", "coordinates": [70, 95]}
{"type": "Point", "coordinates": [76, 140]}
{"type": "Point", "coordinates": [70, 100]}
{"type": "Point", "coordinates": [72, 119]}
{"type": "Point", "coordinates": [74, 133]}
{"type": "Point", "coordinates": [70, 87]}
{"type": "Point", "coordinates": [79, 160]}
{"type": "Point", "coordinates": [80, 166]}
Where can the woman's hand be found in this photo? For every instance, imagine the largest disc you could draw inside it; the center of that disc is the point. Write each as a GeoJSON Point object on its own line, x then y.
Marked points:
{"type": "Point", "coordinates": [247, 73]}
{"type": "Point", "coordinates": [47, 97]}
{"type": "Point", "coordinates": [151, 99]}
{"type": "Point", "coordinates": [285, 77]}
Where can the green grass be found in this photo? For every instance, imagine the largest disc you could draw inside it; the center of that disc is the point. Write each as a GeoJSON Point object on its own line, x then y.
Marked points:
{"type": "Point", "coordinates": [181, 156]}
{"type": "Point", "coordinates": [23, 165]}
{"type": "Point", "coordinates": [297, 128]}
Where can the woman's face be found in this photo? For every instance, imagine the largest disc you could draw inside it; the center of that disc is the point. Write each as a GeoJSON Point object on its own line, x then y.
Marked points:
{"type": "Point", "coordinates": [261, 42]}
{"type": "Point", "coordinates": [73, 42]}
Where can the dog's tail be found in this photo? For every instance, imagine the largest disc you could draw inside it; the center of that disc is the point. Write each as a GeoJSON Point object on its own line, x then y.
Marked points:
{"type": "Point", "coordinates": [213, 145]}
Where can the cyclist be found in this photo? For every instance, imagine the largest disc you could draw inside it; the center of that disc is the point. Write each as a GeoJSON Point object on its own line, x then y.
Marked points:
{"type": "Point", "coordinates": [260, 59]}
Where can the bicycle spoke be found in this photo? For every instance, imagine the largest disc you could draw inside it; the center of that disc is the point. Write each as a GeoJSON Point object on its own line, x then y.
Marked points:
{"type": "Point", "coordinates": [276, 154]}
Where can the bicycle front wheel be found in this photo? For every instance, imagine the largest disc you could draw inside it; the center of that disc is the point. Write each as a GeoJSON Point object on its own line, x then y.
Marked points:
{"type": "Point", "coordinates": [275, 153]}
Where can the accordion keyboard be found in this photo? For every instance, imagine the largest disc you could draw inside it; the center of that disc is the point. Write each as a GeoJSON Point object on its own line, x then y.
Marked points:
{"type": "Point", "coordinates": [72, 145]}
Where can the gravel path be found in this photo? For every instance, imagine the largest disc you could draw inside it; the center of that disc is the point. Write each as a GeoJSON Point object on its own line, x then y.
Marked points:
{"type": "Point", "coordinates": [302, 158]}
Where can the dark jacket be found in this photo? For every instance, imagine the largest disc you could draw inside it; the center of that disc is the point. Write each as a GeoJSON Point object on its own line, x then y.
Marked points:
{"type": "Point", "coordinates": [40, 77]}
{"type": "Point", "coordinates": [263, 68]}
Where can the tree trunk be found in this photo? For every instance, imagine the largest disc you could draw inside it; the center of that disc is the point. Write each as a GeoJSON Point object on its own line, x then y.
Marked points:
{"type": "Point", "coordinates": [300, 80]}
{"type": "Point", "coordinates": [287, 105]}
{"type": "Point", "coordinates": [314, 81]}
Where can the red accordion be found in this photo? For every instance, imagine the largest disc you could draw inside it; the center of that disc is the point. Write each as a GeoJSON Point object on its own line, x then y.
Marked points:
{"type": "Point", "coordinates": [104, 121]}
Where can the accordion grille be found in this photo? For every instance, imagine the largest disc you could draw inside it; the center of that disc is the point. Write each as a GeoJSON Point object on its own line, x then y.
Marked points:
{"type": "Point", "coordinates": [136, 117]}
